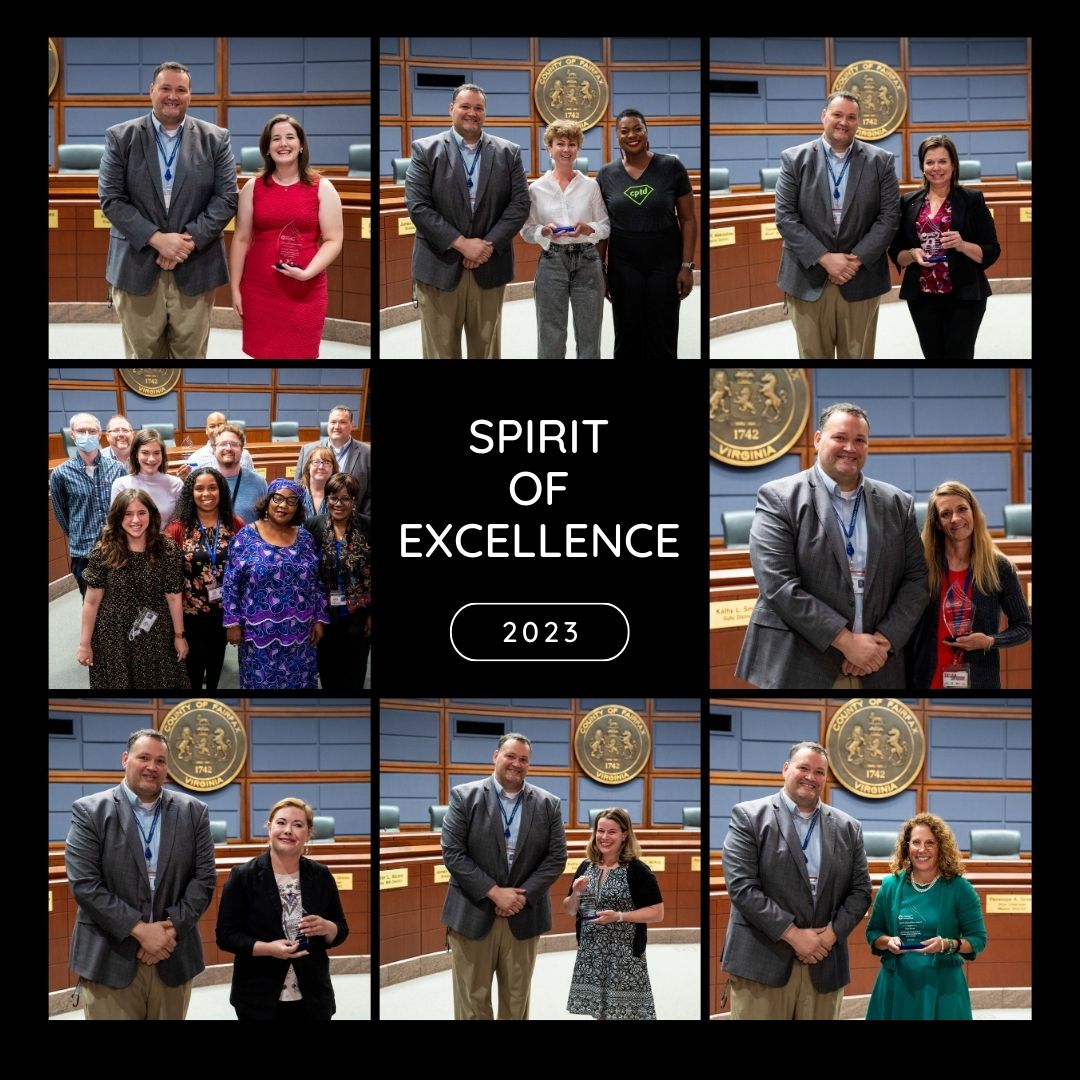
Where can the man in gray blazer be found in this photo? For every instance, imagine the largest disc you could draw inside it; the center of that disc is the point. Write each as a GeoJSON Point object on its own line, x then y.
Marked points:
{"type": "Point", "coordinates": [352, 455]}
{"type": "Point", "coordinates": [837, 208]}
{"type": "Point", "coordinates": [839, 568]}
{"type": "Point", "coordinates": [797, 877]}
{"type": "Point", "coordinates": [167, 184]}
{"type": "Point", "coordinates": [467, 196]}
{"type": "Point", "coordinates": [504, 845]}
{"type": "Point", "coordinates": [140, 861]}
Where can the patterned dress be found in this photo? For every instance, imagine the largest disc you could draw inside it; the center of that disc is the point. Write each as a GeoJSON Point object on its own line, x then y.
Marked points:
{"type": "Point", "coordinates": [609, 982]}
{"type": "Point", "coordinates": [274, 593]}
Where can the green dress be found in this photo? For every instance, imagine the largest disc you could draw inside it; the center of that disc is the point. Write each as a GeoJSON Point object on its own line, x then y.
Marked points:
{"type": "Point", "coordinates": [924, 986]}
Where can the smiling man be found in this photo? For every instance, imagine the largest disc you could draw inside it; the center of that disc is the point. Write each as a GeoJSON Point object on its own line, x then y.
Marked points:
{"type": "Point", "coordinates": [504, 845]}
{"type": "Point", "coordinates": [839, 568]}
{"type": "Point", "coordinates": [140, 861]}
{"type": "Point", "coordinates": [796, 873]}
{"type": "Point", "coordinates": [837, 208]}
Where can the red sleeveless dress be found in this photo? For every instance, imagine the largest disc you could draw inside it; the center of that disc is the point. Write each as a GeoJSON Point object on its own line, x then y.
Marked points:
{"type": "Point", "coordinates": [283, 318]}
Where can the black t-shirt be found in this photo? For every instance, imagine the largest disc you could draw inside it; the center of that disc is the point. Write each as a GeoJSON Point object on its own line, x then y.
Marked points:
{"type": "Point", "coordinates": [648, 203]}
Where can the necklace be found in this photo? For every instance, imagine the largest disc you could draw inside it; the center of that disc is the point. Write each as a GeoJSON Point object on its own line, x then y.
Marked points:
{"type": "Point", "coordinates": [919, 887]}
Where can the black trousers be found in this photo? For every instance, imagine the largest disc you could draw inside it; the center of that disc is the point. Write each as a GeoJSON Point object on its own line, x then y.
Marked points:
{"type": "Point", "coordinates": [78, 565]}
{"type": "Point", "coordinates": [343, 655]}
{"type": "Point", "coordinates": [288, 1010]}
{"type": "Point", "coordinates": [947, 327]}
{"type": "Point", "coordinates": [206, 649]}
{"type": "Point", "coordinates": [642, 268]}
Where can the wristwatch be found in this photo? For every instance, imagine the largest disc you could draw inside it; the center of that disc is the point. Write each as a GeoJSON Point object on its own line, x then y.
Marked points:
{"type": "Point", "coordinates": [687, 266]}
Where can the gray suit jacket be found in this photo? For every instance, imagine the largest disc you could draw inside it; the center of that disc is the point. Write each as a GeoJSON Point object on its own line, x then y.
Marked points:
{"type": "Point", "coordinates": [357, 462]}
{"type": "Point", "coordinates": [204, 199]}
{"type": "Point", "coordinates": [474, 851]}
{"type": "Point", "coordinates": [804, 218]}
{"type": "Point", "coordinates": [769, 888]}
{"type": "Point", "coordinates": [438, 203]}
{"type": "Point", "coordinates": [107, 872]}
{"type": "Point", "coordinates": [805, 596]}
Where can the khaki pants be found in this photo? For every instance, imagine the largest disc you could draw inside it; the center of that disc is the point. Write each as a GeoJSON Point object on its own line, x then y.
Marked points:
{"type": "Point", "coordinates": [798, 1000]}
{"type": "Point", "coordinates": [147, 998]}
{"type": "Point", "coordinates": [498, 953]}
{"type": "Point", "coordinates": [445, 312]}
{"type": "Point", "coordinates": [847, 682]}
{"type": "Point", "coordinates": [832, 324]}
{"type": "Point", "coordinates": [165, 324]}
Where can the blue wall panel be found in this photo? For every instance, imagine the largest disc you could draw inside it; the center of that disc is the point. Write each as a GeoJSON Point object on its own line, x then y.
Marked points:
{"type": "Point", "coordinates": [146, 411]}
{"type": "Point", "coordinates": [556, 785]}
{"type": "Point", "coordinates": [550, 740]}
{"type": "Point", "coordinates": [883, 49]}
{"type": "Point", "coordinates": [965, 52]}
{"type": "Point", "coordinates": [405, 735]}
{"type": "Point", "coordinates": [723, 751]}
{"type": "Point", "coordinates": [965, 811]}
{"type": "Point", "coordinates": [736, 489]}
{"type": "Point", "coordinates": [676, 745]}
{"type": "Point", "coordinates": [628, 49]}
{"type": "Point", "coordinates": [637, 704]}
{"type": "Point", "coordinates": [879, 815]}
{"type": "Point", "coordinates": [390, 90]}
{"type": "Point", "coordinates": [550, 48]}
{"type": "Point", "coordinates": [110, 65]}
{"type": "Point", "coordinates": [412, 792]}
{"type": "Point", "coordinates": [63, 404]}
{"type": "Point", "coordinates": [677, 705]}
{"type": "Point", "coordinates": [593, 796]}
{"type": "Point", "coordinates": [669, 796]}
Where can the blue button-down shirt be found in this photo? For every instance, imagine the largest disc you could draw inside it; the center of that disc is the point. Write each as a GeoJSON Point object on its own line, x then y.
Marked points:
{"type": "Point", "coordinates": [508, 803]}
{"type": "Point", "coordinates": [146, 819]}
{"type": "Point", "coordinates": [467, 158]}
{"type": "Point", "coordinates": [843, 504]}
{"type": "Point", "coordinates": [340, 454]}
{"type": "Point", "coordinates": [802, 827]}
{"type": "Point", "coordinates": [168, 142]}
{"type": "Point", "coordinates": [836, 163]}
{"type": "Point", "coordinates": [81, 502]}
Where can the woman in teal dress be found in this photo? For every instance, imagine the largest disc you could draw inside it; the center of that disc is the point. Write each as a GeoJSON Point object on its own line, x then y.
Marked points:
{"type": "Point", "coordinates": [927, 905]}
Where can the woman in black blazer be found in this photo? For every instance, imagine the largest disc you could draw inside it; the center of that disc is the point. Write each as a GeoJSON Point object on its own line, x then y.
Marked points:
{"type": "Point", "coordinates": [267, 916]}
{"type": "Point", "coordinates": [947, 299]}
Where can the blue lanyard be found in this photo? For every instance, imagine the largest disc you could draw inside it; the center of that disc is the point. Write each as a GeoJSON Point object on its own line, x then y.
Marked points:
{"type": "Point", "coordinates": [843, 169]}
{"type": "Point", "coordinates": [161, 149]}
{"type": "Point", "coordinates": [849, 532]}
{"type": "Point", "coordinates": [509, 820]}
{"type": "Point", "coordinates": [212, 545]}
{"type": "Point", "coordinates": [809, 833]}
{"type": "Point", "coordinates": [476, 157]}
{"type": "Point", "coordinates": [153, 825]}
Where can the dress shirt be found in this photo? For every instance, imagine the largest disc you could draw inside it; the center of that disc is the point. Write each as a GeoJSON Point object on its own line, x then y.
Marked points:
{"type": "Point", "coordinates": [145, 816]}
{"type": "Point", "coordinates": [843, 504]}
{"type": "Point", "coordinates": [81, 498]}
{"type": "Point", "coordinates": [836, 163]}
{"type": "Point", "coordinates": [508, 802]}
{"type": "Point", "coordinates": [467, 158]}
{"type": "Point", "coordinates": [581, 201]}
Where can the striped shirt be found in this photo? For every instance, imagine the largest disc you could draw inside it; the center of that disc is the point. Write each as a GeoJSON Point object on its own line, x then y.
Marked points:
{"type": "Point", "coordinates": [81, 502]}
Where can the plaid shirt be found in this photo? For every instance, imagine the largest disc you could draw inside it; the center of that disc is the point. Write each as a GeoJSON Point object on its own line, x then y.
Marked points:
{"type": "Point", "coordinates": [80, 504]}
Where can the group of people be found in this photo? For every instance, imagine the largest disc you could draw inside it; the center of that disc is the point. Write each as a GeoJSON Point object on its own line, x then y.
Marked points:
{"type": "Point", "coordinates": [504, 846]}
{"type": "Point", "coordinates": [796, 873]}
{"type": "Point", "coordinates": [167, 184]}
{"type": "Point", "coordinates": [172, 570]}
{"type": "Point", "coordinates": [851, 597]}
{"type": "Point", "coordinates": [839, 210]}
{"type": "Point", "coordinates": [629, 235]}
{"type": "Point", "coordinates": [140, 862]}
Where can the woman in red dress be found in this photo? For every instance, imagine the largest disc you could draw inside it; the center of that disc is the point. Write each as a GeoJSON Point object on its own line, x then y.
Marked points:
{"type": "Point", "coordinates": [277, 263]}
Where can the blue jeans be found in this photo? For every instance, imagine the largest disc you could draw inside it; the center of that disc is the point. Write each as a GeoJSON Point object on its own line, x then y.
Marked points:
{"type": "Point", "coordinates": [569, 274]}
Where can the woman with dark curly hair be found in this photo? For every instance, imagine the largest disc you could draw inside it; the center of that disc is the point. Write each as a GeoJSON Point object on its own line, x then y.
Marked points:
{"type": "Point", "coordinates": [203, 528]}
{"type": "Point", "coordinates": [927, 920]}
{"type": "Point", "coordinates": [132, 635]}
{"type": "Point", "coordinates": [275, 607]}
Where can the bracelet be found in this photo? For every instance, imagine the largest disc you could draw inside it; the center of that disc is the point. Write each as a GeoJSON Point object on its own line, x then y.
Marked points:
{"type": "Point", "coordinates": [179, 633]}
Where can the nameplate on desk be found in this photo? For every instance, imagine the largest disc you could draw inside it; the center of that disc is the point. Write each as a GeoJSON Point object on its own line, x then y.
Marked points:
{"type": "Point", "coordinates": [231, 227]}
{"type": "Point", "coordinates": [992, 214]}
{"type": "Point", "coordinates": [769, 231]}
{"type": "Point", "coordinates": [394, 879]}
{"type": "Point", "coordinates": [722, 236]}
{"type": "Point", "coordinates": [101, 221]}
{"type": "Point", "coordinates": [405, 227]}
{"type": "Point", "coordinates": [655, 863]}
{"type": "Point", "coordinates": [1025, 214]}
{"type": "Point", "coordinates": [343, 882]}
{"type": "Point", "coordinates": [365, 228]}
{"type": "Point", "coordinates": [728, 613]}
{"type": "Point", "coordinates": [50, 900]}
{"type": "Point", "coordinates": [290, 471]}
{"type": "Point", "coordinates": [54, 219]}
{"type": "Point", "coordinates": [1008, 903]}
{"type": "Point", "coordinates": [440, 875]}
{"type": "Point", "coordinates": [571, 866]}
{"type": "Point", "coordinates": [695, 864]}
{"type": "Point", "coordinates": [261, 472]}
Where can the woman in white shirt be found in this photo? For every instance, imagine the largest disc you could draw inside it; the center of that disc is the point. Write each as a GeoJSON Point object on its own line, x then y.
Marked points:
{"type": "Point", "coordinates": [567, 218]}
{"type": "Point", "coordinates": [147, 465]}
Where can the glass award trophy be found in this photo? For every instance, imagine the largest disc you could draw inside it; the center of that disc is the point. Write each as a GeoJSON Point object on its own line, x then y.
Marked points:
{"type": "Point", "coordinates": [911, 930]}
{"type": "Point", "coordinates": [290, 922]}
{"type": "Point", "coordinates": [588, 901]}
{"type": "Point", "coordinates": [188, 447]}
{"type": "Point", "coordinates": [958, 614]}
{"type": "Point", "coordinates": [930, 241]}
{"type": "Point", "coordinates": [289, 244]}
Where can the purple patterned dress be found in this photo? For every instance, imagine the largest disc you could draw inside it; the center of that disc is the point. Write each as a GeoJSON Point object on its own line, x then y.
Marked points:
{"type": "Point", "coordinates": [274, 593]}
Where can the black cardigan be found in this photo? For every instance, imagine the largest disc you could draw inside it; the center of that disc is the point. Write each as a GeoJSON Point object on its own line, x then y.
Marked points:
{"type": "Point", "coordinates": [250, 911]}
{"type": "Point", "coordinates": [972, 220]}
{"type": "Point", "coordinates": [985, 665]}
{"type": "Point", "coordinates": [644, 892]}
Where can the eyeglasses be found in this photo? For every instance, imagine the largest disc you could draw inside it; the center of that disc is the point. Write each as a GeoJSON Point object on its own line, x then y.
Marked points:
{"type": "Point", "coordinates": [119, 431]}
{"type": "Point", "coordinates": [219, 445]}
{"type": "Point", "coordinates": [284, 500]}
{"type": "Point", "coordinates": [339, 500]}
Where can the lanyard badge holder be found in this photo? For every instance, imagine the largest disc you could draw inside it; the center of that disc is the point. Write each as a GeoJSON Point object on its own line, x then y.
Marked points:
{"type": "Point", "coordinates": [142, 624]}
{"type": "Point", "coordinates": [958, 614]}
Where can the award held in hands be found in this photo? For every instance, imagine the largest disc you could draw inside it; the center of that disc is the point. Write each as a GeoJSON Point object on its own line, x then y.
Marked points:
{"type": "Point", "coordinates": [289, 244]}
{"type": "Point", "coordinates": [958, 614]}
{"type": "Point", "coordinates": [930, 241]}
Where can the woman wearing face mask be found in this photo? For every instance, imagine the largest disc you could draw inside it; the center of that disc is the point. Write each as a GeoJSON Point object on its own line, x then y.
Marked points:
{"type": "Point", "coordinates": [275, 607]}
{"type": "Point", "coordinates": [321, 464]}
{"type": "Point", "coordinates": [568, 220]}
{"type": "Point", "coordinates": [132, 634]}
{"type": "Point", "coordinates": [202, 529]}
{"type": "Point", "coordinates": [650, 253]}
{"type": "Point", "coordinates": [148, 468]}
{"type": "Point", "coordinates": [345, 568]}
{"type": "Point", "coordinates": [279, 914]}
{"type": "Point", "coordinates": [945, 243]}
{"type": "Point", "coordinates": [614, 895]}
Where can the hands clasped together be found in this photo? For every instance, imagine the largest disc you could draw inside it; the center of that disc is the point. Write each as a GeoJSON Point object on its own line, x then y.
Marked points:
{"type": "Point", "coordinates": [157, 940]}
{"type": "Point", "coordinates": [811, 945]}
{"type": "Point", "coordinates": [507, 900]}
{"type": "Point", "coordinates": [841, 268]}
{"type": "Point", "coordinates": [172, 248]}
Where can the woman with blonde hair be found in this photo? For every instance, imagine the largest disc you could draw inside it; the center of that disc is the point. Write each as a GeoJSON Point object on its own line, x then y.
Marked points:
{"type": "Point", "coordinates": [279, 914]}
{"type": "Point", "coordinates": [927, 920]}
{"type": "Point", "coordinates": [971, 583]}
{"type": "Point", "coordinates": [614, 895]}
{"type": "Point", "coordinates": [320, 465]}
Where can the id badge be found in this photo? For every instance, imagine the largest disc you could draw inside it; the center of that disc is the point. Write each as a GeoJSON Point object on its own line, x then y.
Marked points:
{"type": "Point", "coordinates": [956, 677]}
{"type": "Point", "coordinates": [858, 580]}
{"type": "Point", "coordinates": [143, 623]}
{"type": "Point", "coordinates": [337, 599]}
{"type": "Point", "coordinates": [813, 885]}
{"type": "Point", "coordinates": [214, 593]}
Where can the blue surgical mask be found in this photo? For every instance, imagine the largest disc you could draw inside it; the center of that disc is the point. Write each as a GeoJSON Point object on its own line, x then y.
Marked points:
{"type": "Point", "coordinates": [87, 443]}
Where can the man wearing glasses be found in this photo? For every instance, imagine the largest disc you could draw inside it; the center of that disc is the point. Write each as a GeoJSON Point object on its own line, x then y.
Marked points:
{"type": "Point", "coordinates": [204, 456]}
{"type": "Point", "coordinates": [352, 455]}
{"type": "Point", "coordinates": [119, 434]}
{"type": "Point", "coordinates": [246, 486]}
{"type": "Point", "coordinates": [80, 491]}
